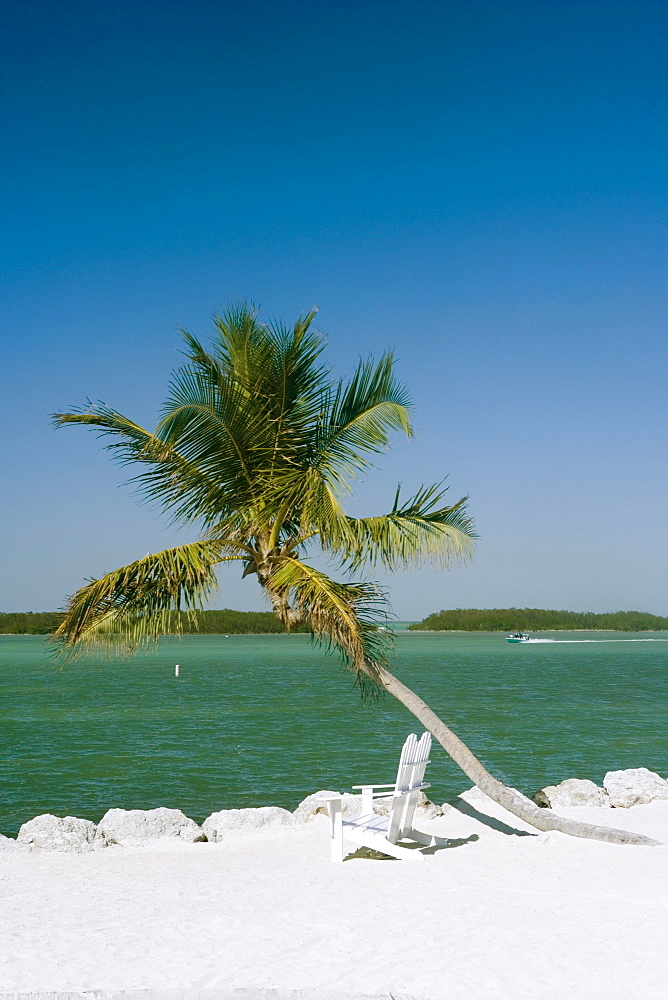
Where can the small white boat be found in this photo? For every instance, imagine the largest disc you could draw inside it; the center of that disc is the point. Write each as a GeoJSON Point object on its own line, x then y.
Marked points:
{"type": "Point", "coordinates": [518, 637]}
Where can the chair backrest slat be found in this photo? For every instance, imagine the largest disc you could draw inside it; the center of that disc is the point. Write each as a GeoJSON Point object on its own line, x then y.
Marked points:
{"type": "Point", "coordinates": [412, 764]}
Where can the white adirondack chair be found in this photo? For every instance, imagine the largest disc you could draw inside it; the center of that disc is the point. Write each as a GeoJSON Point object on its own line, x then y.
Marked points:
{"type": "Point", "coordinates": [383, 833]}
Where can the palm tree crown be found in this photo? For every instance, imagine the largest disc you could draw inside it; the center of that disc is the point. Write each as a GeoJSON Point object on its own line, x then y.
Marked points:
{"type": "Point", "coordinates": [259, 445]}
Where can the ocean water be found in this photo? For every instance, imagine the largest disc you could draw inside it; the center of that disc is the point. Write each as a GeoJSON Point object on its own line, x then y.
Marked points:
{"type": "Point", "coordinates": [266, 720]}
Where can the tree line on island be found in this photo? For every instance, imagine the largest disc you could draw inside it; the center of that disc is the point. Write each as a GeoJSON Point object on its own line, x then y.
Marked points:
{"type": "Point", "coordinates": [223, 622]}
{"type": "Point", "coordinates": [230, 622]}
{"type": "Point", "coordinates": [538, 620]}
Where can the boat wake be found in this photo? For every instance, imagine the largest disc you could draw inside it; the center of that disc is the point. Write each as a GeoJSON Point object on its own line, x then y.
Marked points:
{"type": "Point", "coordinates": [593, 640]}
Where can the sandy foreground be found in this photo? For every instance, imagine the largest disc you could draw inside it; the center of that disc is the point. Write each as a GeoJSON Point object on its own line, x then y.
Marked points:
{"type": "Point", "coordinates": [499, 913]}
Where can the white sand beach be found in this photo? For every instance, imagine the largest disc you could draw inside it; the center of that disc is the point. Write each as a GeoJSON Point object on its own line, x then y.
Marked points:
{"type": "Point", "coordinates": [501, 912]}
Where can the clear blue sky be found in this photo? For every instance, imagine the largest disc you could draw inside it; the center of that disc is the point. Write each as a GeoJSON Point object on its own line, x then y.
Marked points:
{"type": "Point", "coordinates": [481, 186]}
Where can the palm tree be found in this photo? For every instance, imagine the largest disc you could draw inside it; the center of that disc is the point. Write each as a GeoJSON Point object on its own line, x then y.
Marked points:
{"type": "Point", "coordinates": [258, 445]}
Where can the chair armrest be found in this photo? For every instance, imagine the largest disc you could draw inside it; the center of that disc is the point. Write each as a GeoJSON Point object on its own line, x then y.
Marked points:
{"type": "Point", "coordinates": [378, 795]}
{"type": "Point", "coordinates": [414, 788]}
{"type": "Point", "coordinates": [392, 785]}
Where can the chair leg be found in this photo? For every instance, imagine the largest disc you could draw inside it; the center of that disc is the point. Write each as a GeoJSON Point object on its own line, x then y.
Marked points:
{"type": "Point", "coordinates": [336, 829]}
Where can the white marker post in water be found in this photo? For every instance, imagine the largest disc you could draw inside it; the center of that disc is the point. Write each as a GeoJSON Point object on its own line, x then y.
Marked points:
{"type": "Point", "coordinates": [176, 670]}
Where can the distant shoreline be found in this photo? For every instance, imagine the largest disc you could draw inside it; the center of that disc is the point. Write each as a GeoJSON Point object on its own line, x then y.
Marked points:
{"type": "Point", "coordinates": [227, 621]}
{"type": "Point", "coordinates": [539, 620]}
{"type": "Point", "coordinates": [403, 631]}
{"type": "Point", "coordinates": [503, 631]}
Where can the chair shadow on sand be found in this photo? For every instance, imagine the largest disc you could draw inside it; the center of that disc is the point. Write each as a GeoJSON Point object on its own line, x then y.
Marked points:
{"type": "Point", "coordinates": [369, 854]}
{"type": "Point", "coordinates": [466, 809]}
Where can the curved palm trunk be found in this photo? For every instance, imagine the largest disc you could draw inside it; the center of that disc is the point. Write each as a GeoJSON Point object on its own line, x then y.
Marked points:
{"type": "Point", "coordinates": [280, 603]}
{"type": "Point", "coordinates": [516, 803]}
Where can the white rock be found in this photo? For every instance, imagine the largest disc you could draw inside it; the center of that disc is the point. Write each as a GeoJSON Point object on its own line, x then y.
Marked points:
{"type": "Point", "coordinates": [634, 786]}
{"type": "Point", "coordinates": [136, 826]}
{"type": "Point", "coordinates": [571, 792]}
{"type": "Point", "coordinates": [220, 824]}
{"type": "Point", "coordinates": [313, 805]}
{"type": "Point", "coordinates": [9, 845]}
{"type": "Point", "coordinates": [58, 833]}
{"type": "Point", "coordinates": [425, 808]}
{"type": "Point", "coordinates": [429, 810]}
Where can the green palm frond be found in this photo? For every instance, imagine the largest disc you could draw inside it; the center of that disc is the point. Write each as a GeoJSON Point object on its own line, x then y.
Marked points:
{"type": "Point", "coordinates": [346, 616]}
{"type": "Point", "coordinates": [312, 504]}
{"type": "Point", "coordinates": [136, 444]}
{"type": "Point", "coordinates": [143, 600]}
{"type": "Point", "coordinates": [360, 417]}
{"type": "Point", "coordinates": [417, 532]}
{"type": "Point", "coordinates": [244, 411]}
{"type": "Point", "coordinates": [277, 367]}
{"type": "Point", "coordinates": [172, 480]}
{"type": "Point", "coordinates": [221, 436]}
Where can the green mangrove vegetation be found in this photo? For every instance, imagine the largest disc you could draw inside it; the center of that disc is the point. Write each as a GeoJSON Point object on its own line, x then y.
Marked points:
{"type": "Point", "coordinates": [223, 622]}
{"type": "Point", "coordinates": [229, 622]}
{"type": "Point", "coordinates": [29, 622]}
{"type": "Point", "coordinates": [538, 620]}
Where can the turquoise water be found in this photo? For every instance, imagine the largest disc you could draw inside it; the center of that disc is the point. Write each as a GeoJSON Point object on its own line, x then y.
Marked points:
{"type": "Point", "coordinates": [266, 720]}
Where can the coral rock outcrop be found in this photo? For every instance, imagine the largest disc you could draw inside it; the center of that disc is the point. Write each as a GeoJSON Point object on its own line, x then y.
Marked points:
{"type": "Point", "coordinates": [60, 833]}
{"type": "Point", "coordinates": [227, 821]}
{"type": "Point", "coordinates": [635, 786]}
{"type": "Point", "coordinates": [136, 826]}
{"type": "Point", "coordinates": [571, 792]}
